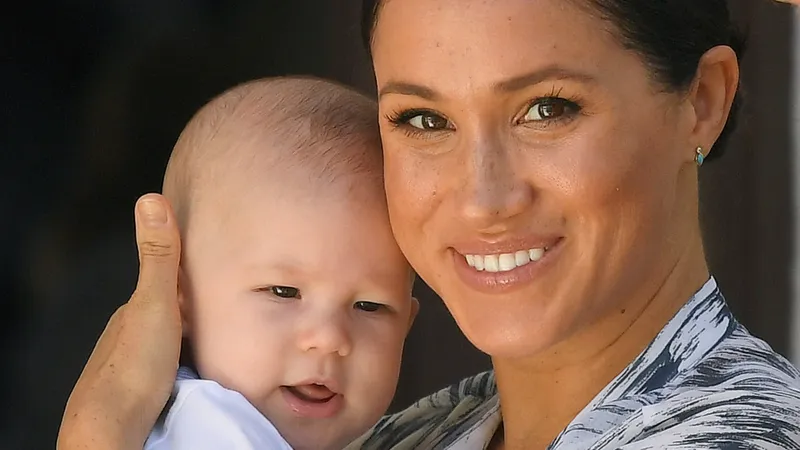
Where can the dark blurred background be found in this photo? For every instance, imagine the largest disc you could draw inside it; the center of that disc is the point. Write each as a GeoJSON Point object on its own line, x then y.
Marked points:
{"type": "Point", "coordinates": [95, 94]}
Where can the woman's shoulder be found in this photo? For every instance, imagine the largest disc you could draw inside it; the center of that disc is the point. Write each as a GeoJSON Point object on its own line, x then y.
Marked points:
{"type": "Point", "coordinates": [743, 361]}
{"type": "Point", "coordinates": [741, 393]}
{"type": "Point", "coordinates": [736, 393]}
{"type": "Point", "coordinates": [741, 416]}
{"type": "Point", "coordinates": [451, 413]}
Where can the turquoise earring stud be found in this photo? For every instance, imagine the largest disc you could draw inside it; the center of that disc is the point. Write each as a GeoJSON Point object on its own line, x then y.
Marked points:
{"type": "Point", "coordinates": [699, 157]}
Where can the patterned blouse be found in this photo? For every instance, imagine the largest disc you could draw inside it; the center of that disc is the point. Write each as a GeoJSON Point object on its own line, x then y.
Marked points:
{"type": "Point", "coordinates": [703, 383]}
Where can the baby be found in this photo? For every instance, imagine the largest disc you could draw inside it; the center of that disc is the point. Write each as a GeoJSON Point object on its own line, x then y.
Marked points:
{"type": "Point", "coordinates": [295, 297]}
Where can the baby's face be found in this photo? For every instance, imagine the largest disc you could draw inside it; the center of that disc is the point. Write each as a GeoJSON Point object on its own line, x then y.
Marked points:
{"type": "Point", "coordinates": [301, 304]}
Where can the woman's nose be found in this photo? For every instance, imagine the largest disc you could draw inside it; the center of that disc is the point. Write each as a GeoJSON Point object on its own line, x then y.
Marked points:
{"type": "Point", "coordinates": [494, 190]}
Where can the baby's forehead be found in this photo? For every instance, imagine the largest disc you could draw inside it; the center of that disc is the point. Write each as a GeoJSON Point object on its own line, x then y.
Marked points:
{"type": "Point", "coordinates": [277, 197]}
{"type": "Point", "coordinates": [298, 175]}
{"type": "Point", "coordinates": [302, 236]}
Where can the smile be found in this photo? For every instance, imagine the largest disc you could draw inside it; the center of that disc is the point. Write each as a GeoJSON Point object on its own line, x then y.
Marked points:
{"type": "Point", "coordinates": [505, 262]}
{"type": "Point", "coordinates": [502, 267]}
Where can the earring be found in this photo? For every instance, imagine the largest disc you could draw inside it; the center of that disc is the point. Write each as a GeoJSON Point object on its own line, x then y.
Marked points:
{"type": "Point", "coordinates": [699, 157]}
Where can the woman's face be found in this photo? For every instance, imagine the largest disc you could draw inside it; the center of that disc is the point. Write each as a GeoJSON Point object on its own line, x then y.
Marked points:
{"type": "Point", "coordinates": [537, 175]}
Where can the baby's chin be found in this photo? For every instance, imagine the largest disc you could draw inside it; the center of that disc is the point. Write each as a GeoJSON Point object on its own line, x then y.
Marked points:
{"type": "Point", "coordinates": [325, 437]}
{"type": "Point", "coordinates": [308, 433]}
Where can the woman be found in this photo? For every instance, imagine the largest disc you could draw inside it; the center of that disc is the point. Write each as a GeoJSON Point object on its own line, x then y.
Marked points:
{"type": "Point", "coordinates": [541, 170]}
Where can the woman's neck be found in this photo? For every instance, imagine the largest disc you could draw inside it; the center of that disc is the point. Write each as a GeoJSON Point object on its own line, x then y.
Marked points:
{"type": "Point", "coordinates": [540, 396]}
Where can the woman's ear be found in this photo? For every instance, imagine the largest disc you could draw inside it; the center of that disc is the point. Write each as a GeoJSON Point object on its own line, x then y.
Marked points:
{"type": "Point", "coordinates": [712, 94]}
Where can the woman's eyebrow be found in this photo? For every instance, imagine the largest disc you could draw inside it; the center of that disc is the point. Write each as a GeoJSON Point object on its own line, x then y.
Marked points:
{"type": "Point", "coordinates": [516, 83]}
{"type": "Point", "coordinates": [405, 88]}
{"type": "Point", "coordinates": [549, 73]}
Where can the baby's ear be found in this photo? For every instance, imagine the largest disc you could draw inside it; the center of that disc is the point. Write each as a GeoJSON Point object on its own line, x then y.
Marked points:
{"type": "Point", "coordinates": [183, 303]}
{"type": "Point", "coordinates": [414, 312]}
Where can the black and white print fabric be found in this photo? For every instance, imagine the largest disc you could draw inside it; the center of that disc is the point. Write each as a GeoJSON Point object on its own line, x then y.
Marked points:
{"type": "Point", "coordinates": [703, 383]}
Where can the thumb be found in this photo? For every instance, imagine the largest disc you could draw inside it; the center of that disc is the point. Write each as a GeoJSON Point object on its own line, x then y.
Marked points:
{"type": "Point", "coordinates": [159, 244]}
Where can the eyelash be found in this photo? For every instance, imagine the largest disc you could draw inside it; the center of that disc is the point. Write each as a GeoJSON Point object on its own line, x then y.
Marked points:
{"type": "Point", "coordinates": [271, 291]}
{"type": "Point", "coordinates": [400, 119]}
{"type": "Point", "coordinates": [360, 305]}
{"type": "Point", "coordinates": [379, 307]}
{"type": "Point", "coordinates": [572, 102]}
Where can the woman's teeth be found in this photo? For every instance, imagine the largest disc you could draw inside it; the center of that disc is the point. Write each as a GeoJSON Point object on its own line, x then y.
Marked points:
{"type": "Point", "coordinates": [504, 261]}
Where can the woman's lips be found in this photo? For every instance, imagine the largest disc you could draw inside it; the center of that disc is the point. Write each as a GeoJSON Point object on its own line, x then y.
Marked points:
{"type": "Point", "coordinates": [502, 268]}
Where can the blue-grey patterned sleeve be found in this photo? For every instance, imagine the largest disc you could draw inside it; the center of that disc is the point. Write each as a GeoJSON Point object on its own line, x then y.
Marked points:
{"type": "Point", "coordinates": [723, 420]}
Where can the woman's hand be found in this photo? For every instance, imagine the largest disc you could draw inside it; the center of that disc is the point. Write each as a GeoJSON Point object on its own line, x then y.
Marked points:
{"type": "Point", "coordinates": [129, 376]}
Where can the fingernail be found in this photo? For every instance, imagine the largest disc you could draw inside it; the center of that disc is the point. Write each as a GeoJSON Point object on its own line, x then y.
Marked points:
{"type": "Point", "coordinates": [152, 213]}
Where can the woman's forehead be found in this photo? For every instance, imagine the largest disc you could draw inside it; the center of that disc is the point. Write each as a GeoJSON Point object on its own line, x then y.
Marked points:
{"type": "Point", "coordinates": [475, 51]}
{"type": "Point", "coordinates": [481, 41]}
{"type": "Point", "coordinates": [443, 20]}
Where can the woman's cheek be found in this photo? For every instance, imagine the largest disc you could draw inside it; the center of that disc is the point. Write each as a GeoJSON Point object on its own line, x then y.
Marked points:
{"type": "Point", "coordinates": [413, 193]}
{"type": "Point", "coordinates": [410, 186]}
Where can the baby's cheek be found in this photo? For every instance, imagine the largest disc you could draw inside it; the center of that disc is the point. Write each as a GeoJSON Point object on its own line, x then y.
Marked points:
{"type": "Point", "coordinates": [243, 351]}
{"type": "Point", "coordinates": [212, 336]}
{"type": "Point", "coordinates": [374, 388]}
{"type": "Point", "coordinates": [379, 361]}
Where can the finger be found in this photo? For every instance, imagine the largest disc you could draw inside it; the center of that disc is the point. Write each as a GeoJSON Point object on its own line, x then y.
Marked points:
{"type": "Point", "coordinates": [159, 246]}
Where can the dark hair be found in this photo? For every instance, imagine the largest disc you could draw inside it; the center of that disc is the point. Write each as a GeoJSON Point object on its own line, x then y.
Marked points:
{"type": "Point", "coordinates": [670, 35]}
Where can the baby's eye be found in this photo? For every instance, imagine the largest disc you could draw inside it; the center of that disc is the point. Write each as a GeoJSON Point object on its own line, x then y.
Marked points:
{"type": "Point", "coordinates": [284, 291]}
{"type": "Point", "coordinates": [551, 108]}
{"type": "Point", "coordinates": [368, 306]}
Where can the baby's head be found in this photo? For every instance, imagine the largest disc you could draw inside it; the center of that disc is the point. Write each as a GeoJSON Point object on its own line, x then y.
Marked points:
{"type": "Point", "coordinates": [293, 290]}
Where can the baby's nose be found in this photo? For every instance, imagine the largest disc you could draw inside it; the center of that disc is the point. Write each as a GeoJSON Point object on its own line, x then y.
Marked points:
{"type": "Point", "coordinates": [326, 335]}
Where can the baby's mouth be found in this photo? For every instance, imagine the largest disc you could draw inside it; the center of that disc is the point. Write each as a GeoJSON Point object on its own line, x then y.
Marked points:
{"type": "Point", "coordinates": [313, 393]}
{"type": "Point", "coordinates": [313, 399]}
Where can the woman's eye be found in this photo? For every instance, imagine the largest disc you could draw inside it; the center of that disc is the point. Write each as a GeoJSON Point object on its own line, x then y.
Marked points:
{"type": "Point", "coordinates": [429, 122]}
{"type": "Point", "coordinates": [368, 306]}
{"type": "Point", "coordinates": [549, 109]}
{"type": "Point", "coordinates": [284, 291]}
